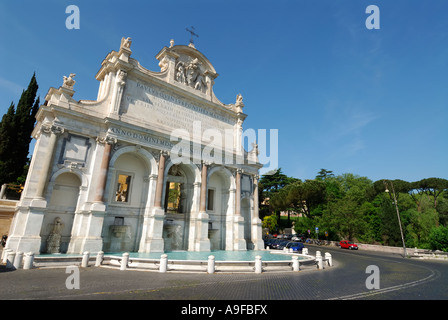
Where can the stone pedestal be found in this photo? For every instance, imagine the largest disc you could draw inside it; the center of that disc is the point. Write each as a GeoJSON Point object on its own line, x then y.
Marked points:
{"type": "Point", "coordinates": [153, 239]}
{"type": "Point", "coordinates": [26, 231]}
{"type": "Point", "coordinates": [257, 236]}
{"type": "Point", "coordinates": [86, 232]}
{"type": "Point", "coordinates": [239, 243]}
{"type": "Point", "coordinates": [202, 242]}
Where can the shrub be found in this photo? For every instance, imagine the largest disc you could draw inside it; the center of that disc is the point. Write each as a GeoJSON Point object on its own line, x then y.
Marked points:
{"type": "Point", "coordinates": [438, 238]}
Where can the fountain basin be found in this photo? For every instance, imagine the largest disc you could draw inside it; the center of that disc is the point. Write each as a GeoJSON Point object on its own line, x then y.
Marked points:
{"type": "Point", "coordinates": [225, 261]}
{"type": "Point", "coordinates": [186, 261]}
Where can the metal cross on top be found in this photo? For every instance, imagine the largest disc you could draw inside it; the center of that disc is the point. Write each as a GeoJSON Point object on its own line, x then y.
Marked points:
{"type": "Point", "coordinates": [193, 34]}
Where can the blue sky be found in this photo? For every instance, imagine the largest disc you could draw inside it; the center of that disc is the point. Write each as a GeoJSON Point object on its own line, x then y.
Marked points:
{"type": "Point", "coordinates": [343, 98]}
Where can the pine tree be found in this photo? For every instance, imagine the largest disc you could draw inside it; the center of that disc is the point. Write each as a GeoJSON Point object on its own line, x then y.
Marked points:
{"type": "Point", "coordinates": [15, 134]}
{"type": "Point", "coordinates": [7, 138]}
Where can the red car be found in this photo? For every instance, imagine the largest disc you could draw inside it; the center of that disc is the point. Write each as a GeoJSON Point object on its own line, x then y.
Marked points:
{"type": "Point", "coordinates": [348, 245]}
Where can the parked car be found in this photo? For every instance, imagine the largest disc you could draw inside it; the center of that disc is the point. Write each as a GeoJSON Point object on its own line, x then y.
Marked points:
{"type": "Point", "coordinates": [272, 243]}
{"type": "Point", "coordinates": [297, 237]}
{"type": "Point", "coordinates": [345, 244]}
{"type": "Point", "coordinates": [267, 242]}
{"type": "Point", "coordinates": [279, 244]}
{"type": "Point", "coordinates": [295, 246]}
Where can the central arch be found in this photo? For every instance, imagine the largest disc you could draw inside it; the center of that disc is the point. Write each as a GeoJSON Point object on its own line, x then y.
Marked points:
{"type": "Point", "coordinates": [179, 203]}
{"type": "Point", "coordinates": [128, 195]}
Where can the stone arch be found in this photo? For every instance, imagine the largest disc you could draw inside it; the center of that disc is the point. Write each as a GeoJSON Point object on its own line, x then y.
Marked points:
{"type": "Point", "coordinates": [127, 189]}
{"type": "Point", "coordinates": [64, 193]}
{"type": "Point", "coordinates": [146, 156]}
{"type": "Point", "coordinates": [192, 176]}
{"type": "Point", "coordinates": [181, 178]}
{"type": "Point", "coordinates": [225, 173]}
{"type": "Point", "coordinates": [77, 172]}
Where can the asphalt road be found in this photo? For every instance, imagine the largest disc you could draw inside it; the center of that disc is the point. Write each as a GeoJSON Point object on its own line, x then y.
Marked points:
{"type": "Point", "coordinates": [399, 279]}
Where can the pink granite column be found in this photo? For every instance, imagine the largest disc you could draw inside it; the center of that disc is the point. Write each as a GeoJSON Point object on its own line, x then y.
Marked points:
{"type": "Point", "coordinates": [238, 193]}
{"type": "Point", "coordinates": [160, 179]}
{"type": "Point", "coordinates": [202, 207]}
{"type": "Point", "coordinates": [256, 209]}
{"type": "Point", "coordinates": [102, 175]}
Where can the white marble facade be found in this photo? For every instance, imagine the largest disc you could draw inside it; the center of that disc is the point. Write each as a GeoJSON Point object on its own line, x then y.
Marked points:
{"type": "Point", "coordinates": [104, 170]}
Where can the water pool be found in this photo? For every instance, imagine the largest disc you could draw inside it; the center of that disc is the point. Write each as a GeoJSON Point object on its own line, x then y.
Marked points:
{"type": "Point", "coordinates": [220, 255]}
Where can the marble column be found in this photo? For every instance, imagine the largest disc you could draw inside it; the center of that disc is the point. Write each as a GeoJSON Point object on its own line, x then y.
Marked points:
{"type": "Point", "coordinates": [202, 207]}
{"type": "Point", "coordinates": [160, 180]}
{"type": "Point", "coordinates": [148, 217]}
{"type": "Point", "coordinates": [238, 193]}
{"type": "Point", "coordinates": [256, 212]}
{"type": "Point", "coordinates": [239, 243]}
{"type": "Point", "coordinates": [257, 234]}
{"type": "Point", "coordinates": [53, 132]}
{"type": "Point", "coordinates": [202, 241]}
{"type": "Point", "coordinates": [102, 174]}
{"type": "Point", "coordinates": [27, 224]}
{"type": "Point", "coordinates": [88, 224]}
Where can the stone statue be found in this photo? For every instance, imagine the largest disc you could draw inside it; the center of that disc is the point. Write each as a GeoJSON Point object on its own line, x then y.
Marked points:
{"type": "Point", "coordinates": [180, 75]}
{"type": "Point", "coordinates": [54, 238]}
{"type": "Point", "coordinates": [126, 43]}
{"type": "Point", "coordinates": [293, 230]}
{"type": "Point", "coordinates": [163, 64]}
{"type": "Point", "coordinates": [239, 99]}
{"type": "Point", "coordinates": [255, 148]}
{"type": "Point", "coordinates": [122, 78]}
{"type": "Point", "coordinates": [69, 82]}
{"type": "Point", "coordinates": [194, 76]}
{"type": "Point", "coordinates": [199, 82]}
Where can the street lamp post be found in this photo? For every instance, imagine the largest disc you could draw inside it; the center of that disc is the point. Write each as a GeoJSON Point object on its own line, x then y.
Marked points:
{"type": "Point", "coordinates": [398, 213]}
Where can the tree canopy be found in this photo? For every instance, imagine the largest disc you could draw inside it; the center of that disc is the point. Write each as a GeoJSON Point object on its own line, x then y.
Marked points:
{"type": "Point", "coordinates": [354, 207]}
{"type": "Point", "coordinates": [15, 135]}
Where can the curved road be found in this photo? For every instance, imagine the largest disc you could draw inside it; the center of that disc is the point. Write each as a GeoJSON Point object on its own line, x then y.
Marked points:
{"type": "Point", "coordinates": [398, 279]}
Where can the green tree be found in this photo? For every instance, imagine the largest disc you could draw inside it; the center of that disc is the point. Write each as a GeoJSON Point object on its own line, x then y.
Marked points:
{"type": "Point", "coordinates": [346, 217]}
{"type": "Point", "coordinates": [432, 187]}
{"type": "Point", "coordinates": [442, 209]}
{"type": "Point", "coordinates": [15, 134]}
{"type": "Point", "coordinates": [279, 202]}
{"type": "Point", "coordinates": [438, 238]}
{"type": "Point", "coordinates": [7, 138]}
{"type": "Point", "coordinates": [390, 229]}
{"type": "Point", "coordinates": [323, 174]}
{"type": "Point", "coordinates": [270, 222]}
{"type": "Point", "coordinates": [346, 208]}
{"type": "Point", "coordinates": [269, 184]}
{"type": "Point", "coordinates": [306, 196]}
{"type": "Point", "coordinates": [273, 181]}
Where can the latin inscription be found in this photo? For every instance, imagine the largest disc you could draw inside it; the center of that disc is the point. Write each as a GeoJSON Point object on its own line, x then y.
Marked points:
{"type": "Point", "coordinates": [154, 105]}
{"type": "Point", "coordinates": [142, 137]}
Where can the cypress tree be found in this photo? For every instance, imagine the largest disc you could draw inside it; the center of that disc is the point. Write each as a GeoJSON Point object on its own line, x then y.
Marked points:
{"type": "Point", "coordinates": [15, 134]}
{"type": "Point", "coordinates": [7, 138]}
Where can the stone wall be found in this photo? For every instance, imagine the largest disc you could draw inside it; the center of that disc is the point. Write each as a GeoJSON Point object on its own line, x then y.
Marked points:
{"type": "Point", "coordinates": [7, 208]}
